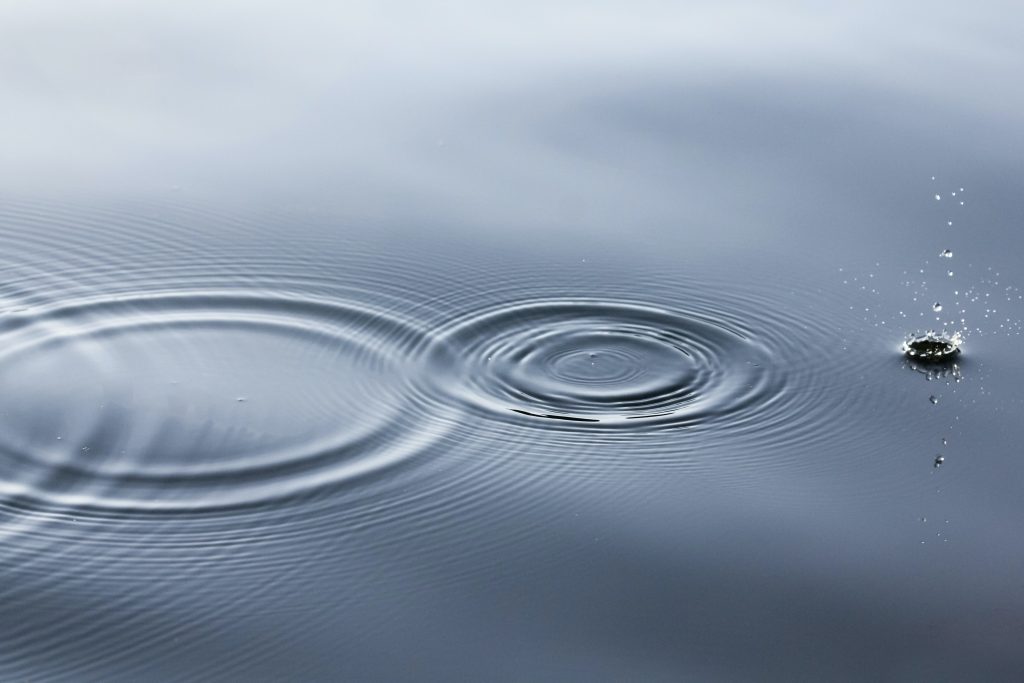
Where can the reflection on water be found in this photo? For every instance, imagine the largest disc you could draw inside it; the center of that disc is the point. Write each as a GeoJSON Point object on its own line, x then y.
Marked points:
{"type": "Point", "coordinates": [377, 342]}
{"type": "Point", "coordinates": [948, 370]}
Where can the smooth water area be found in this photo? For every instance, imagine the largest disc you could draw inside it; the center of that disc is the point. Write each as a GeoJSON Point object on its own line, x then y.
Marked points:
{"type": "Point", "coordinates": [473, 343]}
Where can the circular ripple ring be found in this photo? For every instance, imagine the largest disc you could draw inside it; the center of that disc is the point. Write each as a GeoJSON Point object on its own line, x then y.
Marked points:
{"type": "Point", "coordinates": [608, 364]}
{"type": "Point", "coordinates": [207, 400]}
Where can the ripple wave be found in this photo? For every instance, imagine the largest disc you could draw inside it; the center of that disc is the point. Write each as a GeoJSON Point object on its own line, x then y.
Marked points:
{"type": "Point", "coordinates": [204, 400]}
{"type": "Point", "coordinates": [603, 363]}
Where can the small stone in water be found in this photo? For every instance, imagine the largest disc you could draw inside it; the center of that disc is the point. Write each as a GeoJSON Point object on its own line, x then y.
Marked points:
{"type": "Point", "coordinates": [946, 253]}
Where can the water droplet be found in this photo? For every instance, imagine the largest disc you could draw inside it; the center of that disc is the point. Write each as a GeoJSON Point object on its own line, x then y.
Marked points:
{"type": "Point", "coordinates": [939, 460]}
{"type": "Point", "coordinates": [944, 441]}
{"type": "Point", "coordinates": [933, 399]}
{"type": "Point", "coordinates": [949, 223]}
{"type": "Point", "coordinates": [936, 307]}
{"type": "Point", "coordinates": [946, 253]}
{"type": "Point", "coordinates": [949, 273]}
{"type": "Point", "coordinates": [938, 197]}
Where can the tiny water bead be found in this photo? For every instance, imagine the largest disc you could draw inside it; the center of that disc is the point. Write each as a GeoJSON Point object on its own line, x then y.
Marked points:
{"type": "Point", "coordinates": [939, 460]}
{"type": "Point", "coordinates": [934, 400]}
{"type": "Point", "coordinates": [936, 307]}
{"type": "Point", "coordinates": [932, 346]}
{"type": "Point", "coordinates": [946, 253]}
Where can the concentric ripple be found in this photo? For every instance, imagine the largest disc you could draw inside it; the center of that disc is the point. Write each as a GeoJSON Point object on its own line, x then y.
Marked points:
{"type": "Point", "coordinates": [607, 364]}
{"type": "Point", "coordinates": [197, 401]}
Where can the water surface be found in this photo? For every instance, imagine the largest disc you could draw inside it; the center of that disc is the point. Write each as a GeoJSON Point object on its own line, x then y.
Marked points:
{"type": "Point", "coordinates": [380, 343]}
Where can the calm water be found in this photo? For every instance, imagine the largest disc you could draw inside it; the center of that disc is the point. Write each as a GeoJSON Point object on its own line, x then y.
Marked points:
{"type": "Point", "coordinates": [533, 343]}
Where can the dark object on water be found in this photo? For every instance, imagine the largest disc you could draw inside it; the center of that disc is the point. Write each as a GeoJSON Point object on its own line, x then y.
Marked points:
{"type": "Point", "coordinates": [932, 347]}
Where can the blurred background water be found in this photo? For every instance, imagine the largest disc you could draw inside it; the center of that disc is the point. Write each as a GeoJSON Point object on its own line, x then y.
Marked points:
{"type": "Point", "coordinates": [454, 341]}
